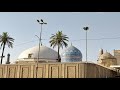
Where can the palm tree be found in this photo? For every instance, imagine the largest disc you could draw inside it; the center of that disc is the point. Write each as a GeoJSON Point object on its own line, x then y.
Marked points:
{"type": "Point", "coordinates": [5, 39]}
{"type": "Point", "coordinates": [58, 39]}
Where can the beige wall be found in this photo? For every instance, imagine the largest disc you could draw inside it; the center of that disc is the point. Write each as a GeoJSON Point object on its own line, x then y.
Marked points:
{"type": "Point", "coordinates": [117, 56]}
{"type": "Point", "coordinates": [108, 62]}
{"type": "Point", "coordinates": [55, 70]}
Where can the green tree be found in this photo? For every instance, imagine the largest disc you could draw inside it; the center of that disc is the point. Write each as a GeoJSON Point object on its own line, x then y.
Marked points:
{"type": "Point", "coordinates": [59, 40]}
{"type": "Point", "coordinates": [5, 39]}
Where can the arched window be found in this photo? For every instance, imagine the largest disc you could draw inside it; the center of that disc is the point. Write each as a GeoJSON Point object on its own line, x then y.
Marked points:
{"type": "Point", "coordinates": [30, 55]}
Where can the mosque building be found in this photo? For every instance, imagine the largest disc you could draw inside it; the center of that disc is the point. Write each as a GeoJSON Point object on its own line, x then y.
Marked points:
{"type": "Point", "coordinates": [106, 59]}
{"type": "Point", "coordinates": [44, 64]}
{"type": "Point", "coordinates": [46, 54]}
{"type": "Point", "coordinates": [70, 54]}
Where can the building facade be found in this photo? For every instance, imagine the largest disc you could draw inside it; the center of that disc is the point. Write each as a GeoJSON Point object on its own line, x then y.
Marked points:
{"type": "Point", "coordinates": [106, 59]}
{"type": "Point", "coordinates": [56, 70]}
{"type": "Point", "coordinates": [44, 64]}
{"type": "Point", "coordinates": [117, 56]}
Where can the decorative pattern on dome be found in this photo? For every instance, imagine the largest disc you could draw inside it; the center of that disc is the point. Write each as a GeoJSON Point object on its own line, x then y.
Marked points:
{"type": "Point", "coordinates": [71, 54]}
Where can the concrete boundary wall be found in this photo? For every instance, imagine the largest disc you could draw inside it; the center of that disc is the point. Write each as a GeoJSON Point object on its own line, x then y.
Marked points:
{"type": "Point", "coordinates": [56, 70]}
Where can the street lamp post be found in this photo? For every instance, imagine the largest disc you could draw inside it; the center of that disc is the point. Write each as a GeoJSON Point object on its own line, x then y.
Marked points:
{"type": "Point", "coordinates": [42, 22]}
{"type": "Point", "coordinates": [86, 29]}
{"type": "Point", "coordinates": [40, 38]}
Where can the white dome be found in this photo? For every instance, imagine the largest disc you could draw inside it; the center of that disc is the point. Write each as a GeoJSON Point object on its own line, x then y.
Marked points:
{"type": "Point", "coordinates": [45, 53]}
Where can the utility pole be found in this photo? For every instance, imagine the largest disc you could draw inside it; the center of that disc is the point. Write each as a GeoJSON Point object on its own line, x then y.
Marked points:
{"type": "Point", "coordinates": [40, 38]}
{"type": "Point", "coordinates": [86, 29]}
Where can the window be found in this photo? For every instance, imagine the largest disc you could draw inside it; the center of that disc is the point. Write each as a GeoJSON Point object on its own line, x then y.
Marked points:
{"type": "Point", "coordinates": [30, 55]}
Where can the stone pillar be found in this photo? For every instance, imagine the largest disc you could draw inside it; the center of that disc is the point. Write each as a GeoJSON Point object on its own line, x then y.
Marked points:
{"type": "Point", "coordinates": [8, 59]}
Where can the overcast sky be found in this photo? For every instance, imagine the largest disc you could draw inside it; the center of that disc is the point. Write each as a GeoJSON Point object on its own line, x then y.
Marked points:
{"type": "Point", "coordinates": [104, 30]}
